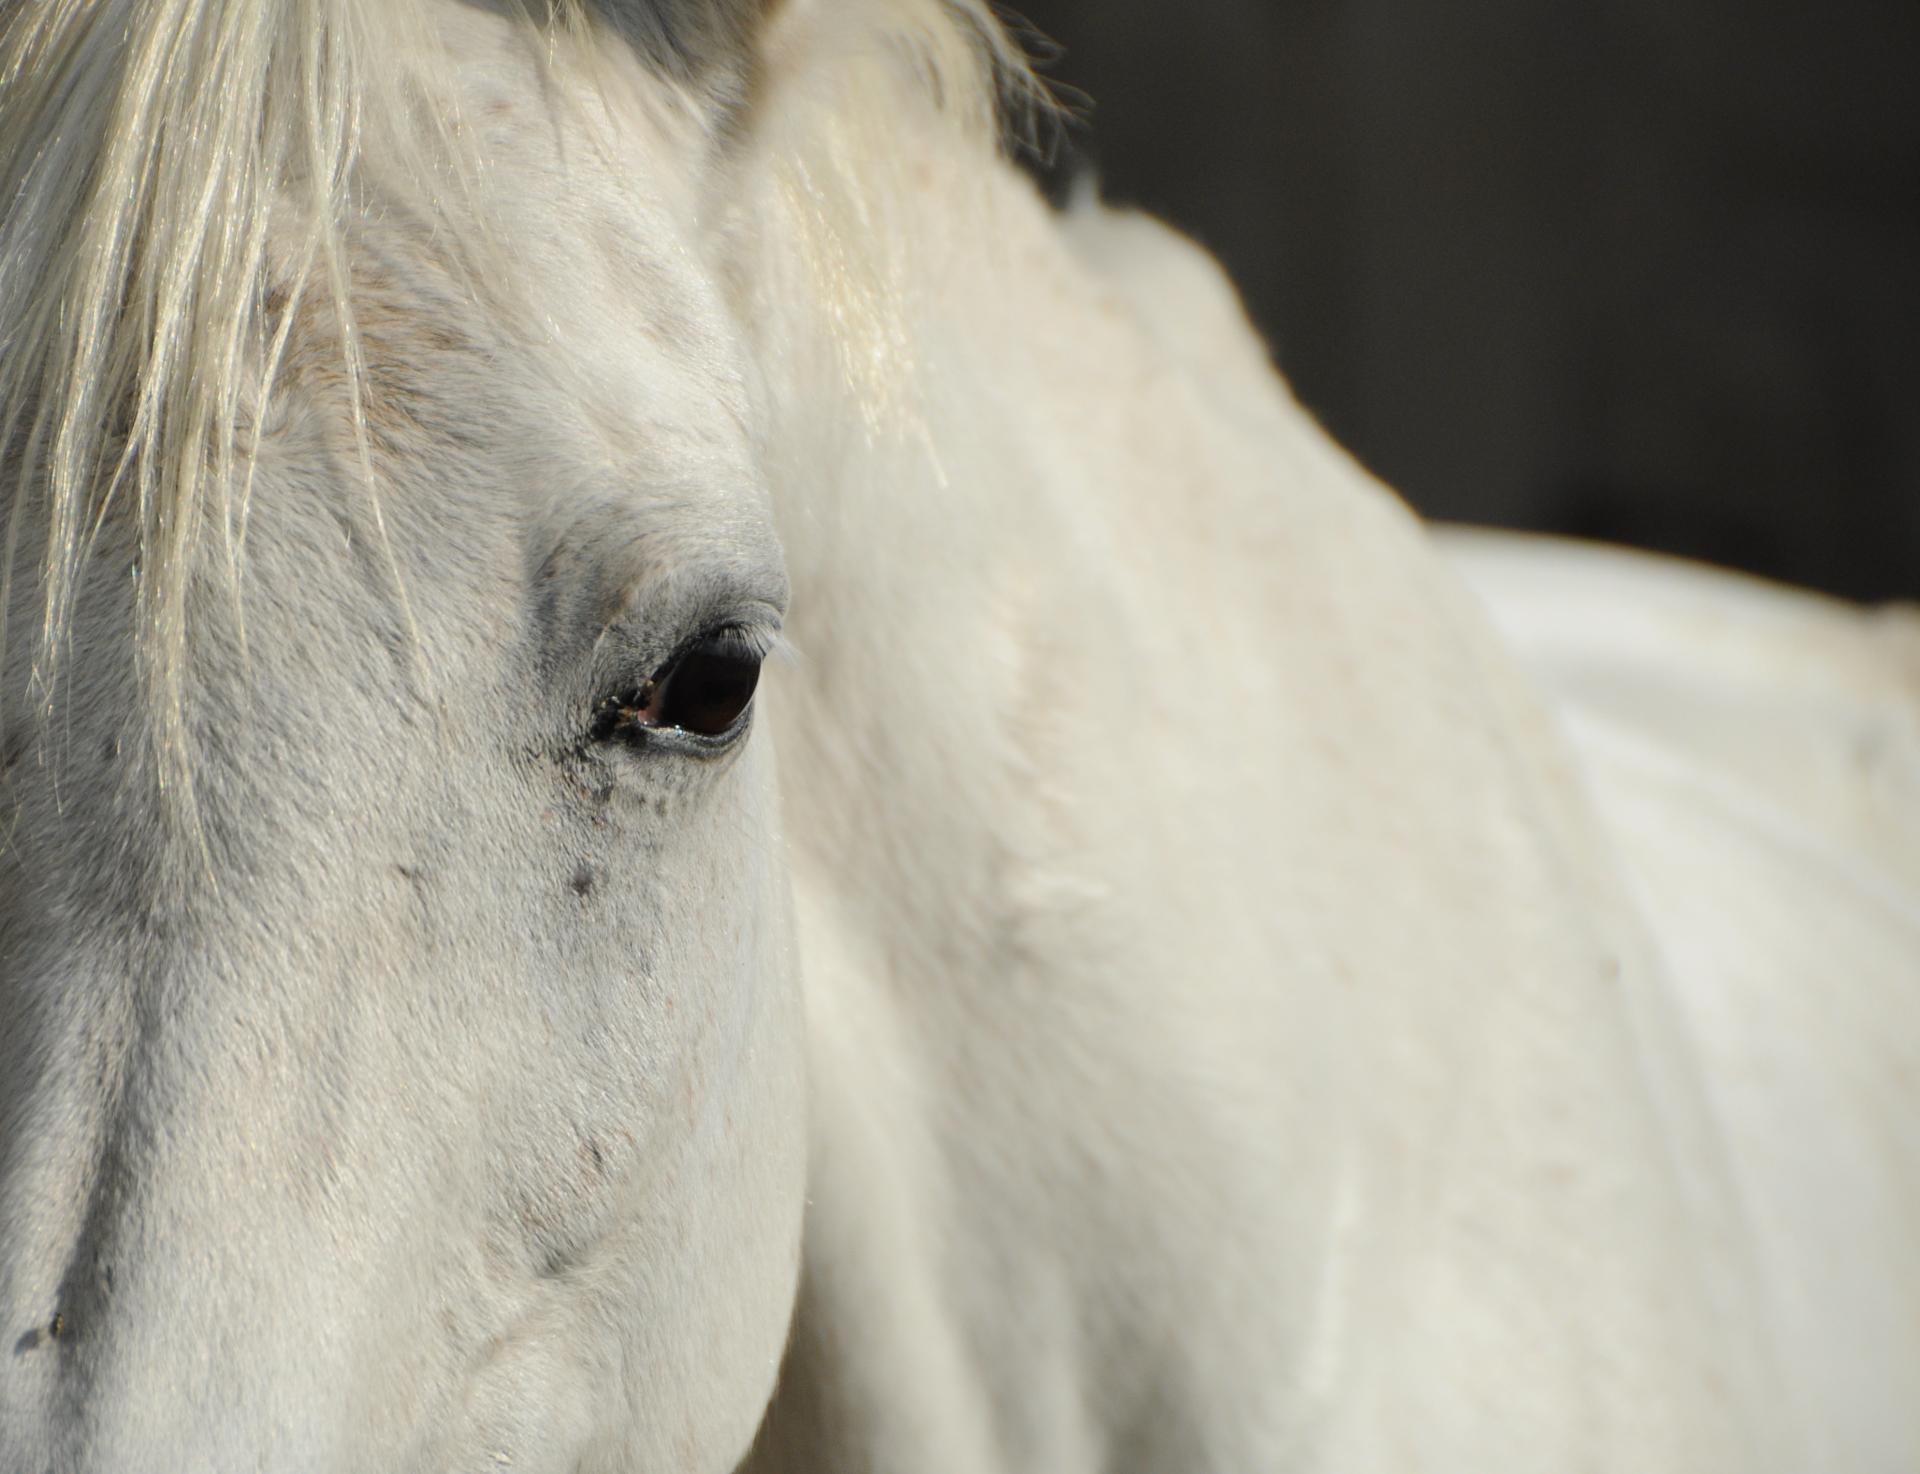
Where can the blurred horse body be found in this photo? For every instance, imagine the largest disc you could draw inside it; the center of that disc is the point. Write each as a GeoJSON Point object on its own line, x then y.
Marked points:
{"type": "Point", "coordinates": [1192, 992]}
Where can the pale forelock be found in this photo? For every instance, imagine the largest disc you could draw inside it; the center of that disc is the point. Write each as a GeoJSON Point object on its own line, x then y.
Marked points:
{"type": "Point", "coordinates": [150, 151]}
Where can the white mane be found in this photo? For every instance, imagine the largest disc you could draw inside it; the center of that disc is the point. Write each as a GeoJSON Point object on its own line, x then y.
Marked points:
{"type": "Point", "coordinates": [134, 302]}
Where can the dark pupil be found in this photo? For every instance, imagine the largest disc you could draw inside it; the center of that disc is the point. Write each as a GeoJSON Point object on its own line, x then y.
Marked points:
{"type": "Point", "coordinates": [708, 690]}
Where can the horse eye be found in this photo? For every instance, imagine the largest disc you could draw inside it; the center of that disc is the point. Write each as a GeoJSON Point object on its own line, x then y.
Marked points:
{"type": "Point", "coordinates": [709, 689]}
{"type": "Point", "coordinates": [703, 691]}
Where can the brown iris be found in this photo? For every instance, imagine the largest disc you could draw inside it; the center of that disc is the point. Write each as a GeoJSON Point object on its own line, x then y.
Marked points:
{"type": "Point", "coordinates": [703, 691]}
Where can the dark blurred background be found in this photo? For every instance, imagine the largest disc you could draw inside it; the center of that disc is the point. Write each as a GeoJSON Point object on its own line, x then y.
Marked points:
{"type": "Point", "coordinates": [1646, 270]}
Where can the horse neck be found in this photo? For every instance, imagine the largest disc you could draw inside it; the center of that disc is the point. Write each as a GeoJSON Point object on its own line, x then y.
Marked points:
{"type": "Point", "coordinates": [1080, 589]}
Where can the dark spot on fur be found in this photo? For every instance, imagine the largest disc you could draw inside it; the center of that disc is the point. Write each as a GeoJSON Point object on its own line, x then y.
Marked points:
{"type": "Point", "coordinates": [56, 1329]}
{"type": "Point", "coordinates": [583, 882]}
{"type": "Point", "coordinates": [588, 778]}
{"type": "Point", "coordinates": [412, 874]}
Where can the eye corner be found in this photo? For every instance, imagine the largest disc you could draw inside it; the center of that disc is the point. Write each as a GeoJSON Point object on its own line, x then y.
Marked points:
{"type": "Point", "coordinates": [617, 718]}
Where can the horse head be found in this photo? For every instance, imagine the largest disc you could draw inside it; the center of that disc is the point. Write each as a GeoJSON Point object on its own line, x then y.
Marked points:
{"type": "Point", "coordinates": [401, 1061]}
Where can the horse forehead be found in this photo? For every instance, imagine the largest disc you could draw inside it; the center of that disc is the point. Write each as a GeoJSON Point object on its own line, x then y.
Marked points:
{"type": "Point", "coordinates": [592, 260]}
{"type": "Point", "coordinates": [603, 391]}
{"type": "Point", "coordinates": [621, 321]}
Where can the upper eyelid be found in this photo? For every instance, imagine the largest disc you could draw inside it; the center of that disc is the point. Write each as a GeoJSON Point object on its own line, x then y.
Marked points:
{"type": "Point", "coordinates": [644, 598]}
{"type": "Point", "coordinates": [651, 637]}
{"type": "Point", "coordinates": [760, 638]}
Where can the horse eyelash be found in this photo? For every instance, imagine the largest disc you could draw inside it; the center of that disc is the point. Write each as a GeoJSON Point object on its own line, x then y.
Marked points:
{"type": "Point", "coordinates": [763, 639]}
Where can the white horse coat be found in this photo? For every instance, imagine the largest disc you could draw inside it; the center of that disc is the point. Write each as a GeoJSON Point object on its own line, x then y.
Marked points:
{"type": "Point", "coordinates": [1245, 1009]}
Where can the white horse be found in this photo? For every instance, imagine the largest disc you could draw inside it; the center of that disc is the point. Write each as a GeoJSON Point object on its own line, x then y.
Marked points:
{"type": "Point", "coordinates": [1208, 1009]}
